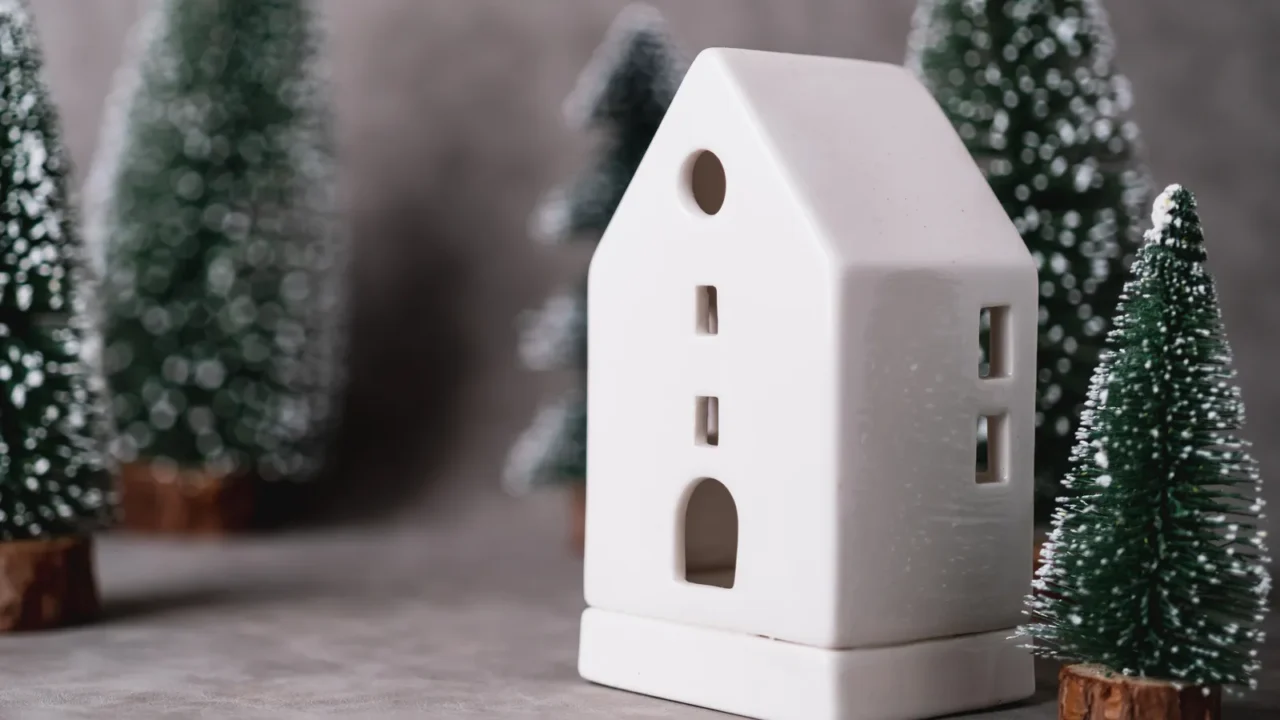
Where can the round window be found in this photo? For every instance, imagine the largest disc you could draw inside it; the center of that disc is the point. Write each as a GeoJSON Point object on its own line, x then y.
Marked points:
{"type": "Point", "coordinates": [706, 182]}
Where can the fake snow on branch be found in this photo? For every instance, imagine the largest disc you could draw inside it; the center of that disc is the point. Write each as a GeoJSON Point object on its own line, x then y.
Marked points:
{"type": "Point", "coordinates": [1162, 219]}
{"type": "Point", "coordinates": [549, 223]}
{"type": "Point", "coordinates": [550, 450]}
{"type": "Point", "coordinates": [552, 336]}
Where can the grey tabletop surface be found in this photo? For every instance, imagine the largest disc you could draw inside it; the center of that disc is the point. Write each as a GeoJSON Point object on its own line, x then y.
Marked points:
{"type": "Point", "coordinates": [473, 613]}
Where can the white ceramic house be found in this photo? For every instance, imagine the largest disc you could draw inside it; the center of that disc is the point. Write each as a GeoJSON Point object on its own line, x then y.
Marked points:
{"type": "Point", "coordinates": [786, 517]}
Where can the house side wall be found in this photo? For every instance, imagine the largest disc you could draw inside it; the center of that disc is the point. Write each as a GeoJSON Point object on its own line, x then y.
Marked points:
{"type": "Point", "coordinates": [926, 549]}
{"type": "Point", "coordinates": [771, 366]}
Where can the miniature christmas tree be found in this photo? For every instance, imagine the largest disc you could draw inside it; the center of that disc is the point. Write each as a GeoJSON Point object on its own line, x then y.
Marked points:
{"type": "Point", "coordinates": [1155, 566]}
{"type": "Point", "coordinates": [623, 93]}
{"type": "Point", "coordinates": [53, 483]}
{"type": "Point", "coordinates": [1030, 87]}
{"type": "Point", "coordinates": [213, 206]}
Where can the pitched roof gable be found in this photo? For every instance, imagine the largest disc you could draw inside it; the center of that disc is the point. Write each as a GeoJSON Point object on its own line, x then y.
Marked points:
{"type": "Point", "coordinates": [872, 156]}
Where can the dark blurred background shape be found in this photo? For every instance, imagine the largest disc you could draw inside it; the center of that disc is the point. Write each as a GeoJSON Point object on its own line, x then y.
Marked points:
{"type": "Point", "coordinates": [450, 128]}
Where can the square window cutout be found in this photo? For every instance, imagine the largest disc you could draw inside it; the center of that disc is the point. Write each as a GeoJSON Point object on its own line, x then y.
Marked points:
{"type": "Point", "coordinates": [991, 465]}
{"type": "Point", "coordinates": [993, 338]}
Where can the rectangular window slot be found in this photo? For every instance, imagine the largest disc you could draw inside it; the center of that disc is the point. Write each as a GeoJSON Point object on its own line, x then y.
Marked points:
{"type": "Point", "coordinates": [991, 447]}
{"type": "Point", "coordinates": [993, 337]}
{"type": "Point", "coordinates": [707, 430]}
{"type": "Point", "coordinates": [708, 311]}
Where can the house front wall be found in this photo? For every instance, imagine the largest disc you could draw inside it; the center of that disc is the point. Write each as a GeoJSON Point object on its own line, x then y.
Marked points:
{"type": "Point", "coordinates": [766, 363]}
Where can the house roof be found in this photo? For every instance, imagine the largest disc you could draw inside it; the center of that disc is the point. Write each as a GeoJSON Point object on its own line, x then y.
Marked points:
{"type": "Point", "coordinates": [869, 153]}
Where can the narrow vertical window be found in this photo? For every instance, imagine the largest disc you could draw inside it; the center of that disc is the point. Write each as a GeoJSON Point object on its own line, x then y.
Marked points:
{"type": "Point", "coordinates": [707, 427]}
{"type": "Point", "coordinates": [708, 320]}
{"type": "Point", "coordinates": [991, 449]}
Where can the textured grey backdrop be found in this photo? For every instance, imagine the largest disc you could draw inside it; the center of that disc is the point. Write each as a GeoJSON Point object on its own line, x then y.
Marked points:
{"type": "Point", "coordinates": [449, 132]}
{"type": "Point", "coordinates": [450, 129]}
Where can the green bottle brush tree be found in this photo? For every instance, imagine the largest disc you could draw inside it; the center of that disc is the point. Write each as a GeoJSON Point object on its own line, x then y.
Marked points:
{"type": "Point", "coordinates": [1156, 567]}
{"type": "Point", "coordinates": [54, 485]}
{"type": "Point", "coordinates": [213, 213]}
{"type": "Point", "coordinates": [623, 94]}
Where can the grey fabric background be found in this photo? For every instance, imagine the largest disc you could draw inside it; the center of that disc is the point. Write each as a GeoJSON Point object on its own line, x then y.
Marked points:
{"type": "Point", "coordinates": [450, 129]}
{"type": "Point", "coordinates": [464, 602]}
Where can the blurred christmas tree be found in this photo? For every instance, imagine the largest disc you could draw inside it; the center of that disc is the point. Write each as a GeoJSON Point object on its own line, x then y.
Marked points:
{"type": "Point", "coordinates": [1155, 565]}
{"type": "Point", "coordinates": [623, 93]}
{"type": "Point", "coordinates": [1030, 87]}
{"type": "Point", "coordinates": [213, 205]}
{"type": "Point", "coordinates": [53, 482]}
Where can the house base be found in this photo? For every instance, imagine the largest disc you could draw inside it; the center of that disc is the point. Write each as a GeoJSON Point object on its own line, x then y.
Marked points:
{"type": "Point", "coordinates": [768, 679]}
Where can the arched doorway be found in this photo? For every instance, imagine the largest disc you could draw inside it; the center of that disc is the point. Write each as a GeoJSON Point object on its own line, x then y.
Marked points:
{"type": "Point", "coordinates": [710, 535]}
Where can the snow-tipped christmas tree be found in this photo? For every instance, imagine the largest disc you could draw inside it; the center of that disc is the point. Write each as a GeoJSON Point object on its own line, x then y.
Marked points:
{"type": "Point", "coordinates": [1031, 89]}
{"type": "Point", "coordinates": [53, 480]}
{"type": "Point", "coordinates": [212, 206]}
{"type": "Point", "coordinates": [1156, 565]}
{"type": "Point", "coordinates": [623, 93]}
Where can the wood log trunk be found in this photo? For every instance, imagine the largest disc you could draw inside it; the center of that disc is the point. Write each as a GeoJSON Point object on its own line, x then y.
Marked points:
{"type": "Point", "coordinates": [1090, 692]}
{"type": "Point", "coordinates": [578, 517]}
{"type": "Point", "coordinates": [186, 502]}
{"type": "Point", "coordinates": [47, 583]}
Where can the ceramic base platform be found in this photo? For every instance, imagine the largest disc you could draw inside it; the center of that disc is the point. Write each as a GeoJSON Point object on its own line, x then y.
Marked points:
{"type": "Point", "coordinates": [772, 680]}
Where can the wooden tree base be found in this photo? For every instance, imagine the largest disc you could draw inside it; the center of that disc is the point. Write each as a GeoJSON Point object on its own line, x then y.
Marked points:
{"type": "Point", "coordinates": [578, 517]}
{"type": "Point", "coordinates": [189, 502]}
{"type": "Point", "coordinates": [47, 584]}
{"type": "Point", "coordinates": [1089, 692]}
